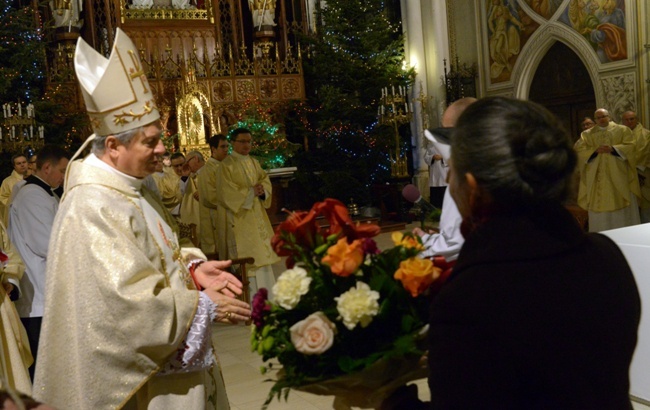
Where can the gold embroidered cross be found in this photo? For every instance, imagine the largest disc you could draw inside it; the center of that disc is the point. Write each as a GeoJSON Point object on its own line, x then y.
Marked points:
{"type": "Point", "coordinates": [137, 72]}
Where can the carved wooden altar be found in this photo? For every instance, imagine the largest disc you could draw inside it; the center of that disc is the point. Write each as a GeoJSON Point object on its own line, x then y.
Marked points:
{"type": "Point", "coordinates": [203, 58]}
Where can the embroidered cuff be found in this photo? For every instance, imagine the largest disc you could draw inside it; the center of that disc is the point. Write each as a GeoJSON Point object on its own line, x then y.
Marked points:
{"type": "Point", "coordinates": [195, 353]}
{"type": "Point", "coordinates": [191, 267]}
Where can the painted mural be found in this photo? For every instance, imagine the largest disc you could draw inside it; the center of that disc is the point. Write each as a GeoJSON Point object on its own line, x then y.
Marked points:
{"type": "Point", "coordinates": [602, 24]}
{"type": "Point", "coordinates": [545, 8]}
{"type": "Point", "coordinates": [508, 30]}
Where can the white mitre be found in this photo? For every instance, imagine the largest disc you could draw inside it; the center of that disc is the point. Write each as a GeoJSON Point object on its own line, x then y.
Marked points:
{"type": "Point", "coordinates": [116, 91]}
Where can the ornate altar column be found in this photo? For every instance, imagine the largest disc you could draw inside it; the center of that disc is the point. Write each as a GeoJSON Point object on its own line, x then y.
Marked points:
{"type": "Point", "coordinates": [427, 44]}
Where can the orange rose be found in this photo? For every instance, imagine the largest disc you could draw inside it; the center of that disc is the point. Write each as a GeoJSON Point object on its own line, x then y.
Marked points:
{"type": "Point", "coordinates": [417, 274]}
{"type": "Point", "coordinates": [407, 241]}
{"type": "Point", "coordinates": [343, 258]}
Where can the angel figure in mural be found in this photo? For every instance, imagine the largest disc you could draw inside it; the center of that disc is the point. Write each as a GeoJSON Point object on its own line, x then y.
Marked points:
{"type": "Point", "coordinates": [610, 34]}
{"type": "Point", "coordinates": [66, 13]}
{"type": "Point", "coordinates": [545, 8]}
{"type": "Point", "coordinates": [577, 13]}
{"type": "Point", "coordinates": [504, 27]}
{"type": "Point", "coordinates": [263, 12]}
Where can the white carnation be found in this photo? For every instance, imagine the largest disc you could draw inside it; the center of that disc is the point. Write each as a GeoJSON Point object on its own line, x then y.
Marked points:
{"type": "Point", "coordinates": [291, 285]}
{"type": "Point", "coordinates": [358, 305]}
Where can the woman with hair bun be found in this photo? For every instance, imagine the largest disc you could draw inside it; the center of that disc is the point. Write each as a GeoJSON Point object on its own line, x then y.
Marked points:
{"type": "Point", "coordinates": [537, 314]}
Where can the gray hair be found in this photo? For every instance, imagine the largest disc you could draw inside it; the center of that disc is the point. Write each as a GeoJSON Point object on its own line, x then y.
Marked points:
{"type": "Point", "coordinates": [516, 150]}
{"type": "Point", "coordinates": [125, 137]}
{"type": "Point", "coordinates": [193, 154]}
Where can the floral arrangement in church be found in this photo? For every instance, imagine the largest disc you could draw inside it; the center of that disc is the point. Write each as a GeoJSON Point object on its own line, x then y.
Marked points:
{"type": "Point", "coordinates": [345, 319]}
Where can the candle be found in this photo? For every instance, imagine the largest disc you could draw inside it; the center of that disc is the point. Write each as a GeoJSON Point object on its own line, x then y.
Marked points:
{"type": "Point", "coordinates": [393, 89]}
{"type": "Point", "coordinates": [40, 131]}
{"type": "Point", "coordinates": [31, 130]}
{"type": "Point", "coordinates": [13, 132]}
{"type": "Point", "coordinates": [8, 110]}
{"type": "Point", "coordinates": [4, 110]}
{"type": "Point", "coordinates": [20, 110]}
{"type": "Point", "coordinates": [406, 107]}
{"type": "Point", "coordinates": [378, 111]}
{"type": "Point", "coordinates": [0, 134]}
{"type": "Point", "coordinates": [382, 110]}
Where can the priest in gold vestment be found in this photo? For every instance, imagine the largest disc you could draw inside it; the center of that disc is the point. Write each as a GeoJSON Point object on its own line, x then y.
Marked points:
{"type": "Point", "coordinates": [128, 312]}
{"type": "Point", "coordinates": [15, 355]}
{"type": "Point", "coordinates": [168, 184]}
{"type": "Point", "coordinates": [243, 192]}
{"type": "Point", "coordinates": [609, 186]}
{"type": "Point", "coordinates": [207, 183]}
{"type": "Point", "coordinates": [642, 141]}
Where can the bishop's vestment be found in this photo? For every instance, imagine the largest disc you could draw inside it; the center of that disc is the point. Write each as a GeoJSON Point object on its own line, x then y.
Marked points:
{"type": "Point", "coordinates": [120, 302]}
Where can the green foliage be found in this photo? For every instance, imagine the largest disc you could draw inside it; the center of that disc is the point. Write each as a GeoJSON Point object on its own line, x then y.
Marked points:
{"type": "Point", "coordinates": [357, 50]}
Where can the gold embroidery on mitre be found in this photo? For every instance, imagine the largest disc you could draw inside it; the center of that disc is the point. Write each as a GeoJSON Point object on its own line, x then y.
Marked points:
{"type": "Point", "coordinates": [95, 122]}
{"type": "Point", "coordinates": [123, 118]}
{"type": "Point", "coordinates": [137, 72]}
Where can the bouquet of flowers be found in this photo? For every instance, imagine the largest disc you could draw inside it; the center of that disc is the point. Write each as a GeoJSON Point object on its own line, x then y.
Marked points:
{"type": "Point", "coordinates": [345, 319]}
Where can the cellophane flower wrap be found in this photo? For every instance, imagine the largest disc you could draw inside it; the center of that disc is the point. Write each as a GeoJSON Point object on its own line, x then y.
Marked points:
{"type": "Point", "coordinates": [343, 305]}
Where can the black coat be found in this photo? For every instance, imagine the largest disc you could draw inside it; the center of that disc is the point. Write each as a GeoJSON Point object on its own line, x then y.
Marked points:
{"type": "Point", "coordinates": [536, 315]}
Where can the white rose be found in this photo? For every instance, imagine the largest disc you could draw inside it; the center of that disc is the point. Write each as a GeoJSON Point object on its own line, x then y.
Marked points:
{"type": "Point", "coordinates": [358, 305]}
{"type": "Point", "coordinates": [291, 285]}
{"type": "Point", "coordinates": [314, 334]}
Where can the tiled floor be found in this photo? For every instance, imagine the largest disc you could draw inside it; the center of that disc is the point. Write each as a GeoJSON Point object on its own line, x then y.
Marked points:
{"type": "Point", "coordinates": [246, 386]}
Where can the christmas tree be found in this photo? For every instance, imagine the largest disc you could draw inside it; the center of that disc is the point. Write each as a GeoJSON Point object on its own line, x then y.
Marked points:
{"type": "Point", "coordinates": [22, 52]}
{"type": "Point", "coordinates": [357, 50]}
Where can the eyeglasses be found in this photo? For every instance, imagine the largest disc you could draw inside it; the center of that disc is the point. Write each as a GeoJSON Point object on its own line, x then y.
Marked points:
{"type": "Point", "coordinates": [244, 141]}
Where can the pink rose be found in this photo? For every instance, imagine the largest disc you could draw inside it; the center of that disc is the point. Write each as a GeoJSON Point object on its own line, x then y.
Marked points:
{"type": "Point", "coordinates": [314, 334]}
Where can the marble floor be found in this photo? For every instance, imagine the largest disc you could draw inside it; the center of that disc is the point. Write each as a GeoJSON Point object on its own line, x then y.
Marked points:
{"type": "Point", "coordinates": [246, 386]}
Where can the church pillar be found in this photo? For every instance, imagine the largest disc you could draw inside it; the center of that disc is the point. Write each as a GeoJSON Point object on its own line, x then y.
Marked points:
{"type": "Point", "coordinates": [427, 44]}
{"type": "Point", "coordinates": [644, 103]}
